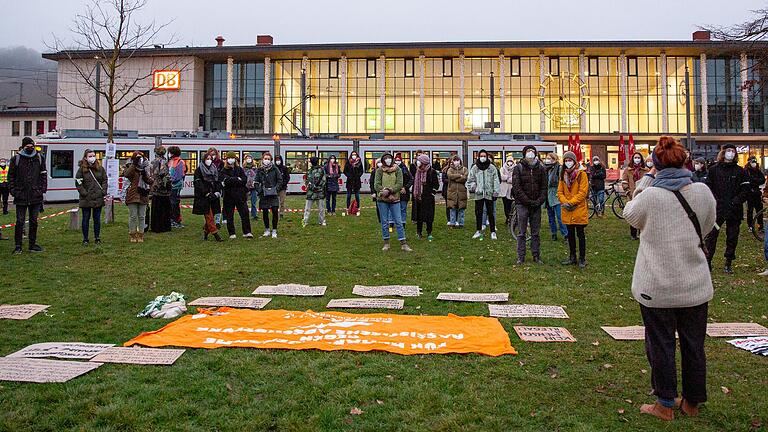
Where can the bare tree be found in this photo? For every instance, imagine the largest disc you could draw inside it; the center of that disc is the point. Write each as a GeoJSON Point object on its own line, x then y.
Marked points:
{"type": "Point", "coordinates": [106, 37]}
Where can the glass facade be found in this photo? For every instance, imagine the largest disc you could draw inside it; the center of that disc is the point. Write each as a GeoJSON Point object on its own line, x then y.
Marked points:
{"type": "Point", "coordinates": [247, 97]}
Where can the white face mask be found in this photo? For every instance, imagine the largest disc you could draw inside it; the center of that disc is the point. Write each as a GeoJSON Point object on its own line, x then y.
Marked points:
{"type": "Point", "coordinates": [418, 163]}
{"type": "Point", "coordinates": [638, 161]}
{"type": "Point", "coordinates": [91, 159]}
{"type": "Point", "coordinates": [549, 162]}
{"type": "Point", "coordinates": [697, 166]}
{"type": "Point", "coordinates": [456, 163]}
{"type": "Point", "coordinates": [388, 162]}
{"type": "Point", "coordinates": [597, 162]}
{"type": "Point", "coordinates": [649, 164]}
{"type": "Point", "coordinates": [378, 164]}
{"type": "Point", "coordinates": [279, 162]}
{"type": "Point", "coordinates": [753, 164]}
{"type": "Point", "coordinates": [208, 162]}
{"type": "Point", "coordinates": [510, 164]}
{"type": "Point", "coordinates": [333, 161]}
{"type": "Point", "coordinates": [249, 160]}
{"type": "Point", "coordinates": [530, 155]}
{"type": "Point", "coordinates": [141, 160]}
{"type": "Point", "coordinates": [398, 162]}
{"type": "Point", "coordinates": [569, 164]}
{"type": "Point", "coordinates": [231, 161]}
{"type": "Point", "coordinates": [483, 159]}
{"type": "Point", "coordinates": [353, 158]}
{"type": "Point", "coordinates": [729, 155]}
{"type": "Point", "coordinates": [267, 162]}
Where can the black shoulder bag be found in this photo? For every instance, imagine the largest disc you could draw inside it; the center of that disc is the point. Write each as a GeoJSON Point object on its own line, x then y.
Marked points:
{"type": "Point", "coordinates": [694, 219]}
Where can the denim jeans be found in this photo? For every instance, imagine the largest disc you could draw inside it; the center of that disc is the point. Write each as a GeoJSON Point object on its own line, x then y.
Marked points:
{"type": "Point", "coordinates": [349, 197]}
{"type": "Point", "coordinates": [254, 199]}
{"type": "Point", "coordinates": [330, 202]}
{"type": "Point", "coordinates": [390, 211]}
{"type": "Point", "coordinates": [403, 211]}
{"type": "Point", "coordinates": [600, 198]}
{"type": "Point", "coordinates": [765, 247]}
{"type": "Point", "coordinates": [457, 217]}
{"type": "Point", "coordinates": [555, 220]}
{"type": "Point", "coordinates": [85, 214]}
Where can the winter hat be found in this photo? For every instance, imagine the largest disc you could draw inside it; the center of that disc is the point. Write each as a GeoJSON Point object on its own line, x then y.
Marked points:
{"type": "Point", "coordinates": [530, 147]}
{"type": "Point", "coordinates": [231, 154]}
{"type": "Point", "coordinates": [27, 141]}
{"type": "Point", "coordinates": [398, 157]}
{"type": "Point", "coordinates": [160, 150]}
{"type": "Point", "coordinates": [700, 160]}
{"type": "Point", "coordinates": [314, 160]}
{"type": "Point", "coordinates": [424, 159]}
{"type": "Point", "coordinates": [569, 155]}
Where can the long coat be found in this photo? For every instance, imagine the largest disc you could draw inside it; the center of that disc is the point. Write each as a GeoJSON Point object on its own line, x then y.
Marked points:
{"type": "Point", "coordinates": [204, 193]}
{"type": "Point", "coordinates": [506, 181]}
{"type": "Point", "coordinates": [234, 179]}
{"type": "Point", "coordinates": [457, 187]}
{"type": "Point", "coordinates": [332, 179]}
{"type": "Point", "coordinates": [424, 208]}
{"type": "Point", "coordinates": [27, 179]}
{"type": "Point", "coordinates": [575, 195]}
{"type": "Point", "coordinates": [91, 183]}
{"type": "Point", "coordinates": [353, 172]}
{"type": "Point", "coordinates": [132, 194]}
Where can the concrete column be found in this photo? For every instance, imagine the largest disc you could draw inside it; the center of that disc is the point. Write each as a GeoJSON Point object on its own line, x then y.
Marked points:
{"type": "Point", "coordinates": [744, 94]}
{"type": "Point", "coordinates": [422, 71]}
{"type": "Point", "coordinates": [542, 116]}
{"type": "Point", "coordinates": [664, 95]}
{"type": "Point", "coordinates": [623, 91]}
{"type": "Point", "coordinates": [343, 93]}
{"type": "Point", "coordinates": [230, 67]}
{"type": "Point", "coordinates": [461, 93]}
{"type": "Point", "coordinates": [502, 94]}
{"type": "Point", "coordinates": [703, 91]}
{"type": "Point", "coordinates": [267, 95]}
{"type": "Point", "coordinates": [381, 70]}
{"type": "Point", "coordinates": [583, 76]}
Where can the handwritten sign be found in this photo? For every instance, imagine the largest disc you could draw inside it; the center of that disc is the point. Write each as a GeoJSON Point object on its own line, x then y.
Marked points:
{"type": "Point", "coordinates": [141, 356]}
{"type": "Point", "coordinates": [291, 290]}
{"type": "Point", "coordinates": [544, 334]}
{"type": "Point", "coordinates": [42, 371]}
{"type": "Point", "coordinates": [474, 297]}
{"type": "Point", "coordinates": [66, 350]}
{"type": "Point", "coordinates": [755, 345]}
{"type": "Point", "coordinates": [21, 312]}
{"type": "Point", "coordinates": [387, 290]}
{"type": "Point", "coordinates": [526, 311]}
{"type": "Point", "coordinates": [736, 330]}
{"type": "Point", "coordinates": [625, 333]}
{"type": "Point", "coordinates": [236, 302]}
{"type": "Point", "coordinates": [367, 303]}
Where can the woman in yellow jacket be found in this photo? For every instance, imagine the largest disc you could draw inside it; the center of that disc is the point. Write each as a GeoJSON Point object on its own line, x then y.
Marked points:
{"type": "Point", "coordinates": [572, 193]}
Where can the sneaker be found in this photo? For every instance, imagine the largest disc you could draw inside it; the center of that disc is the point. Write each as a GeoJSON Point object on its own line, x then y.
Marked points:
{"type": "Point", "coordinates": [36, 248]}
{"type": "Point", "coordinates": [569, 261]}
{"type": "Point", "coordinates": [765, 273]}
{"type": "Point", "coordinates": [233, 236]}
{"type": "Point", "coordinates": [85, 242]}
{"type": "Point", "coordinates": [274, 233]}
{"type": "Point", "coordinates": [303, 224]}
{"type": "Point", "coordinates": [477, 235]}
{"type": "Point", "coordinates": [248, 236]}
{"type": "Point", "coordinates": [17, 251]}
{"type": "Point", "coordinates": [386, 245]}
{"type": "Point", "coordinates": [430, 238]}
{"type": "Point", "coordinates": [267, 233]}
{"type": "Point", "coordinates": [404, 247]}
{"type": "Point", "coordinates": [449, 223]}
{"type": "Point", "coordinates": [98, 242]}
{"type": "Point", "coordinates": [493, 235]}
{"type": "Point", "coordinates": [538, 260]}
{"type": "Point", "coordinates": [484, 227]}
{"type": "Point", "coordinates": [323, 224]}
{"type": "Point", "coordinates": [582, 263]}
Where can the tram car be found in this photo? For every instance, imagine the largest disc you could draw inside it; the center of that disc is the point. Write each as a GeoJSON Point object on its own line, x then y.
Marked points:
{"type": "Point", "coordinates": [63, 155]}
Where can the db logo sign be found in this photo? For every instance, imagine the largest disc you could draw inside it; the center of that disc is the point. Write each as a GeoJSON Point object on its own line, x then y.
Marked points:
{"type": "Point", "coordinates": [166, 80]}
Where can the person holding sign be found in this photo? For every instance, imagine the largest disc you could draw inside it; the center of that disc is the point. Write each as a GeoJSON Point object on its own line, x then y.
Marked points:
{"type": "Point", "coordinates": [207, 189]}
{"type": "Point", "coordinates": [572, 193]}
{"type": "Point", "coordinates": [91, 183]}
{"type": "Point", "coordinates": [671, 279]}
{"type": "Point", "coordinates": [137, 195]}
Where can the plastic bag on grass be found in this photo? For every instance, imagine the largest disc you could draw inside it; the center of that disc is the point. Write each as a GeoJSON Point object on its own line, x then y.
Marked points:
{"type": "Point", "coordinates": [170, 306]}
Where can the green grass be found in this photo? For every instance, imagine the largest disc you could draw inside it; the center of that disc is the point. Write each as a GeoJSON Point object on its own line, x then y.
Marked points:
{"type": "Point", "coordinates": [95, 293]}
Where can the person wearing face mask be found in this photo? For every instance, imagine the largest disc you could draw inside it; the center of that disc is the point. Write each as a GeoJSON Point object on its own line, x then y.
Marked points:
{"type": "Point", "coordinates": [91, 183]}
{"type": "Point", "coordinates": [374, 193]}
{"type": "Point", "coordinates": [405, 192]}
{"type": "Point", "coordinates": [412, 169]}
{"type": "Point", "coordinates": [506, 186]}
{"type": "Point", "coordinates": [285, 178]}
{"type": "Point", "coordinates": [597, 176]}
{"type": "Point", "coordinates": [457, 192]}
{"type": "Point", "coordinates": [235, 194]}
{"type": "Point", "coordinates": [137, 195]}
{"type": "Point", "coordinates": [554, 213]}
{"type": "Point", "coordinates": [731, 186]}
{"type": "Point", "coordinates": [629, 178]}
{"type": "Point", "coordinates": [387, 183]}
{"type": "Point", "coordinates": [4, 191]}
{"type": "Point", "coordinates": [572, 192]}
{"type": "Point", "coordinates": [177, 170]}
{"type": "Point", "coordinates": [353, 171]}
{"type": "Point", "coordinates": [160, 193]}
{"type": "Point", "coordinates": [529, 187]}
{"type": "Point", "coordinates": [425, 184]}
{"type": "Point", "coordinates": [483, 184]}
{"type": "Point", "coordinates": [765, 237]}
{"type": "Point", "coordinates": [207, 190]}
{"type": "Point", "coordinates": [315, 183]}
{"type": "Point", "coordinates": [27, 181]}
{"type": "Point", "coordinates": [268, 180]}
{"type": "Point", "coordinates": [332, 175]}
{"type": "Point", "coordinates": [699, 170]}
{"type": "Point", "coordinates": [250, 168]}
{"type": "Point", "coordinates": [754, 201]}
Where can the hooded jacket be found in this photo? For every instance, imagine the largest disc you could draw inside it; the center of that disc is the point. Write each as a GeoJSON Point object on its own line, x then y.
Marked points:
{"type": "Point", "coordinates": [529, 182]}
{"type": "Point", "coordinates": [506, 180]}
{"type": "Point", "coordinates": [483, 181]}
{"type": "Point", "coordinates": [388, 181]}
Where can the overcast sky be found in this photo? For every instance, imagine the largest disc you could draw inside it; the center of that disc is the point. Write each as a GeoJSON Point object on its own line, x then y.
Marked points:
{"type": "Point", "coordinates": [197, 22]}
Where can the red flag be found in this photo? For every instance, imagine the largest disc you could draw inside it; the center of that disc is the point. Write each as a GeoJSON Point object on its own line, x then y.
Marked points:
{"type": "Point", "coordinates": [577, 147]}
{"type": "Point", "coordinates": [631, 145]}
{"type": "Point", "coordinates": [622, 151]}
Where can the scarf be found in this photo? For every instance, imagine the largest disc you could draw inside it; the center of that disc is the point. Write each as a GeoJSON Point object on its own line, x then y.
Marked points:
{"type": "Point", "coordinates": [388, 169]}
{"type": "Point", "coordinates": [333, 168]}
{"type": "Point", "coordinates": [421, 177]}
{"type": "Point", "coordinates": [570, 175]}
{"type": "Point", "coordinates": [210, 173]}
{"type": "Point", "coordinates": [672, 179]}
{"type": "Point", "coordinates": [637, 172]}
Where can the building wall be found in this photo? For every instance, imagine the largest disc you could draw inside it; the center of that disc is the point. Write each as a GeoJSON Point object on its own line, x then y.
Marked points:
{"type": "Point", "coordinates": [9, 142]}
{"type": "Point", "coordinates": [159, 112]}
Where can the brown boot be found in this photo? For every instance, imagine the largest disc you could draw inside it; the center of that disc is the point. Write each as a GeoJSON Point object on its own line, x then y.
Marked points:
{"type": "Point", "coordinates": [140, 237]}
{"type": "Point", "coordinates": [687, 408]}
{"type": "Point", "coordinates": [133, 237]}
{"type": "Point", "coordinates": [658, 410]}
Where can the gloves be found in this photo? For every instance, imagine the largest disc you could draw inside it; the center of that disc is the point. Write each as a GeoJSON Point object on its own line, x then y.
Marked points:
{"type": "Point", "coordinates": [217, 194]}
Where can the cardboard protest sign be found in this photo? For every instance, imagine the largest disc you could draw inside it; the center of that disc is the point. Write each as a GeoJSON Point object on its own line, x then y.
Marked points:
{"type": "Point", "coordinates": [66, 350]}
{"type": "Point", "coordinates": [236, 302]}
{"type": "Point", "coordinates": [626, 333]}
{"type": "Point", "coordinates": [42, 371]}
{"type": "Point", "coordinates": [736, 330]}
{"type": "Point", "coordinates": [387, 290]}
{"type": "Point", "coordinates": [755, 345]}
{"type": "Point", "coordinates": [367, 303]}
{"type": "Point", "coordinates": [291, 290]}
{"type": "Point", "coordinates": [474, 297]}
{"type": "Point", "coordinates": [332, 331]}
{"type": "Point", "coordinates": [526, 311]}
{"type": "Point", "coordinates": [141, 356]}
{"type": "Point", "coordinates": [544, 334]}
{"type": "Point", "coordinates": [21, 312]}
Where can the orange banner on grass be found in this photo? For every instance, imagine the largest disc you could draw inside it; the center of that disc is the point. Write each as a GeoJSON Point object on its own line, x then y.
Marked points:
{"type": "Point", "coordinates": [332, 331]}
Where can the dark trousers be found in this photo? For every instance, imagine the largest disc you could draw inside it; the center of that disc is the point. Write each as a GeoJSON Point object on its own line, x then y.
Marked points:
{"type": "Point", "coordinates": [529, 216]}
{"type": "Point", "coordinates": [4, 192]}
{"type": "Point", "coordinates": [754, 205]}
{"type": "Point", "coordinates": [507, 207]}
{"type": "Point", "coordinates": [660, 346]}
{"type": "Point", "coordinates": [21, 216]}
{"type": "Point", "coordinates": [242, 210]}
{"type": "Point", "coordinates": [488, 205]}
{"type": "Point", "coordinates": [577, 231]}
{"type": "Point", "coordinates": [330, 202]}
{"type": "Point", "coordinates": [731, 238]}
{"type": "Point", "coordinates": [349, 197]}
{"type": "Point", "coordinates": [160, 216]}
{"type": "Point", "coordinates": [86, 213]}
{"type": "Point", "coordinates": [175, 205]}
{"type": "Point", "coordinates": [275, 217]}
{"type": "Point", "coordinates": [634, 232]}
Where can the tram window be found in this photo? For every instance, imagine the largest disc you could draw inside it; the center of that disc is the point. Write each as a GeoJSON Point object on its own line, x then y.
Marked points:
{"type": "Point", "coordinates": [341, 157]}
{"type": "Point", "coordinates": [440, 159]}
{"type": "Point", "coordinates": [371, 158]}
{"type": "Point", "coordinates": [405, 155]}
{"type": "Point", "coordinates": [190, 159]}
{"type": "Point", "coordinates": [496, 155]}
{"type": "Point", "coordinates": [124, 156]}
{"type": "Point", "coordinates": [298, 161]}
{"type": "Point", "coordinates": [62, 163]}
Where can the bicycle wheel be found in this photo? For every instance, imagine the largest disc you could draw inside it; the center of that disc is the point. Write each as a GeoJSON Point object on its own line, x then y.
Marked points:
{"type": "Point", "coordinates": [756, 226]}
{"type": "Point", "coordinates": [617, 205]}
{"type": "Point", "coordinates": [591, 205]}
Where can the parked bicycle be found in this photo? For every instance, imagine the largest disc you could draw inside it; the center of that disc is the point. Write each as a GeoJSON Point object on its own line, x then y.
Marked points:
{"type": "Point", "coordinates": [617, 202]}
{"type": "Point", "coordinates": [757, 228]}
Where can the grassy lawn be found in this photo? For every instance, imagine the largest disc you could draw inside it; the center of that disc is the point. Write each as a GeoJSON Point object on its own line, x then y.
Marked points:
{"type": "Point", "coordinates": [594, 384]}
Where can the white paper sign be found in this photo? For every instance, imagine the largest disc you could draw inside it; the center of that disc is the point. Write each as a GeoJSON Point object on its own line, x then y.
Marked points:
{"type": "Point", "coordinates": [526, 311]}
{"type": "Point", "coordinates": [42, 371]}
{"type": "Point", "coordinates": [291, 290]}
{"type": "Point", "coordinates": [142, 356]}
{"type": "Point", "coordinates": [21, 312]}
{"type": "Point", "coordinates": [367, 303]}
{"type": "Point", "coordinates": [755, 345]}
{"type": "Point", "coordinates": [474, 297]}
{"type": "Point", "coordinates": [544, 334]}
{"type": "Point", "coordinates": [110, 150]}
{"type": "Point", "coordinates": [65, 350]}
{"type": "Point", "coordinates": [736, 330]}
{"type": "Point", "coordinates": [625, 333]}
{"type": "Point", "coordinates": [387, 290]}
{"type": "Point", "coordinates": [113, 177]}
{"type": "Point", "coordinates": [235, 302]}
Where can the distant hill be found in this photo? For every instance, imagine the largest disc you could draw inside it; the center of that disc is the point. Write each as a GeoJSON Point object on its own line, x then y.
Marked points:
{"type": "Point", "coordinates": [25, 65]}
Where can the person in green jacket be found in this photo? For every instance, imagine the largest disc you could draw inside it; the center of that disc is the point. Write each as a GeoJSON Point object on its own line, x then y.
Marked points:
{"type": "Point", "coordinates": [388, 181]}
{"type": "Point", "coordinates": [315, 184]}
{"type": "Point", "coordinates": [483, 184]}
